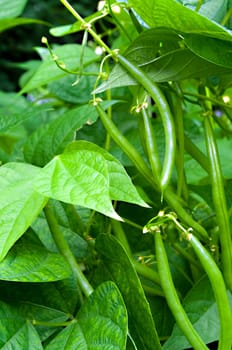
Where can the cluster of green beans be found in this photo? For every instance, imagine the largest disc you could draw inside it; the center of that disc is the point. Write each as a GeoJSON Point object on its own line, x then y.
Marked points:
{"type": "Point", "coordinates": [159, 176]}
{"type": "Point", "coordinates": [213, 272]}
{"type": "Point", "coordinates": [168, 124]}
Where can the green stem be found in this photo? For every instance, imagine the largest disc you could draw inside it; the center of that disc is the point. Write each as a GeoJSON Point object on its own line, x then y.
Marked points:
{"type": "Point", "coordinates": [52, 324]}
{"type": "Point", "coordinates": [227, 17]}
{"type": "Point", "coordinates": [194, 151]}
{"type": "Point", "coordinates": [120, 234]}
{"type": "Point", "coordinates": [87, 26]}
{"type": "Point", "coordinates": [141, 269]}
{"type": "Point", "coordinates": [219, 201]}
{"type": "Point", "coordinates": [186, 255]}
{"type": "Point", "coordinates": [146, 272]}
{"type": "Point", "coordinates": [65, 250]}
{"type": "Point", "coordinates": [174, 202]}
{"type": "Point", "coordinates": [152, 291]}
{"type": "Point", "coordinates": [74, 219]}
{"type": "Point", "coordinates": [215, 102]}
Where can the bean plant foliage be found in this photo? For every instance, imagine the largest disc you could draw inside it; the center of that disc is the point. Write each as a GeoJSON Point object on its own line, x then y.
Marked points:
{"type": "Point", "coordinates": [116, 180]}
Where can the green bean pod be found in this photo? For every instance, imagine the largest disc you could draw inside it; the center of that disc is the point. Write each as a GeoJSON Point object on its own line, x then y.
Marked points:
{"type": "Point", "coordinates": [124, 144]}
{"type": "Point", "coordinates": [219, 289]}
{"type": "Point", "coordinates": [172, 298]}
{"type": "Point", "coordinates": [151, 146]}
{"type": "Point", "coordinates": [168, 124]}
{"type": "Point", "coordinates": [219, 201]}
{"type": "Point", "coordinates": [137, 160]}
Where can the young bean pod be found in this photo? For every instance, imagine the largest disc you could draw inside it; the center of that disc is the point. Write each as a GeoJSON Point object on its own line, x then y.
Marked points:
{"type": "Point", "coordinates": [219, 201]}
{"type": "Point", "coordinates": [168, 124]}
{"type": "Point", "coordinates": [219, 289]}
{"type": "Point", "coordinates": [172, 298]}
{"type": "Point", "coordinates": [151, 146]}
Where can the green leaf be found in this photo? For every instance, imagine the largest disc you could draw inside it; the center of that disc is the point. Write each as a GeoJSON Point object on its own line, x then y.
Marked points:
{"type": "Point", "coordinates": [79, 178]}
{"type": "Point", "coordinates": [65, 88]}
{"type": "Point", "coordinates": [48, 71]}
{"type": "Point", "coordinates": [213, 50]}
{"type": "Point", "coordinates": [101, 323]}
{"type": "Point", "coordinates": [25, 338]}
{"type": "Point", "coordinates": [14, 110]}
{"type": "Point", "coordinates": [196, 175]}
{"type": "Point", "coordinates": [11, 9]}
{"type": "Point", "coordinates": [86, 175]}
{"type": "Point", "coordinates": [19, 203]}
{"type": "Point", "coordinates": [47, 320]}
{"type": "Point", "coordinates": [122, 272]}
{"type": "Point", "coordinates": [50, 140]}
{"type": "Point", "coordinates": [19, 265]}
{"type": "Point", "coordinates": [202, 311]}
{"type": "Point", "coordinates": [16, 332]}
{"type": "Point", "coordinates": [171, 14]}
{"type": "Point", "coordinates": [160, 53]}
{"type": "Point", "coordinates": [7, 23]}
{"type": "Point", "coordinates": [121, 187]}
{"type": "Point", "coordinates": [213, 9]}
{"type": "Point", "coordinates": [77, 244]}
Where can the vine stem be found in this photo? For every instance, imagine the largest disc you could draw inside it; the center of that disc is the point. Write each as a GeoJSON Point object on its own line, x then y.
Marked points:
{"type": "Point", "coordinates": [65, 250]}
{"type": "Point", "coordinates": [141, 269]}
{"type": "Point", "coordinates": [87, 27]}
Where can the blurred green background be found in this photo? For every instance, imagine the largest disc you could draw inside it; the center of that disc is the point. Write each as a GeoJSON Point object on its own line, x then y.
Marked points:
{"type": "Point", "coordinates": [17, 44]}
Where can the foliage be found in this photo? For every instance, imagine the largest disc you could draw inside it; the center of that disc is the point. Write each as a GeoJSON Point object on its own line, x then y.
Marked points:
{"type": "Point", "coordinates": [115, 178]}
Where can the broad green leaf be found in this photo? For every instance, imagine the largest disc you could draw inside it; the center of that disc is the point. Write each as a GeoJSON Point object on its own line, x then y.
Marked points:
{"type": "Point", "coordinates": [50, 140]}
{"type": "Point", "coordinates": [19, 203]}
{"type": "Point", "coordinates": [68, 54]}
{"type": "Point", "coordinates": [65, 88]}
{"type": "Point", "coordinates": [25, 338]}
{"type": "Point", "coordinates": [11, 9]}
{"type": "Point", "coordinates": [77, 244]}
{"type": "Point", "coordinates": [117, 262]}
{"type": "Point", "coordinates": [80, 178]}
{"type": "Point", "coordinates": [202, 311]}
{"type": "Point", "coordinates": [171, 14]}
{"type": "Point", "coordinates": [101, 323]}
{"type": "Point", "coordinates": [159, 54]}
{"type": "Point", "coordinates": [121, 187]}
{"type": "Point", "coordinates": [196, 175]}
{"type": "Point", "coordinates": [213, 9]}
{"type": "Point", "coordinates": [174, 66]}
{"type": "Point", "coordinates": [213, 50]}
{"type": "Point", "coordinates": [86, 175]}
{"type": "Point", "coordinates": [14, 110]}
{"type": "Point", "coordinates": [51, 318]}
{"type": "Point", "coordinates": [15, 331]}
{"type": "Point", "coordinates": [45, 266]}
{"type": "Point", "coordinates": [7, 23]}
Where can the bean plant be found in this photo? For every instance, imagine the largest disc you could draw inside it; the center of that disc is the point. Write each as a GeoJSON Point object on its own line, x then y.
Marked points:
{"type": "Point", "coordinates": [116, 180]}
